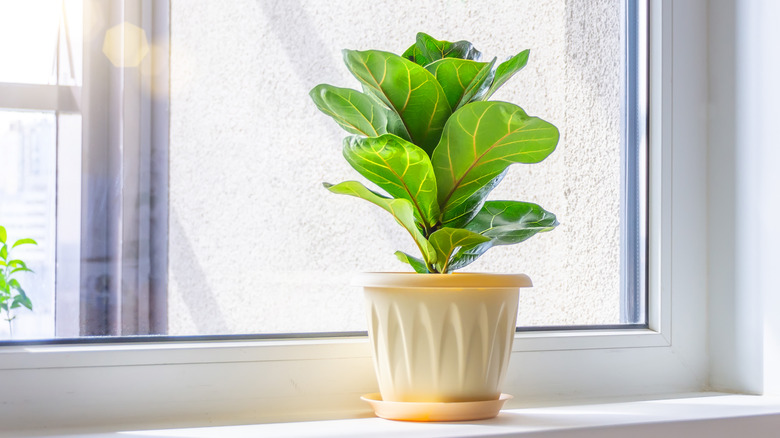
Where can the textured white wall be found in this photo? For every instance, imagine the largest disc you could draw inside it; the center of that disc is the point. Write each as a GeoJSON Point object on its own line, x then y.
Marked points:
{"type": "Point", "coordinates": [257, 245]}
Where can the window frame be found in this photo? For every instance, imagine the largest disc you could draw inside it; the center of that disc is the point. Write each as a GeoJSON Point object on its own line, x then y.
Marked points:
{"type": "Point", "coordinates": [634, 153]}
{"type": "Point", "coordinates": [224, 382]}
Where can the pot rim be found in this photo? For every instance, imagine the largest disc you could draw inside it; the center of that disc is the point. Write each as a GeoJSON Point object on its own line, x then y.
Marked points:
{"type": "Point", "coordinates": [454, 280]}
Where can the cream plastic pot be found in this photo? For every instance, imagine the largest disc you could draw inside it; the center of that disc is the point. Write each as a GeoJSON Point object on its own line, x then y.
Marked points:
{"type": "Point", "coordinates": [441, 337]}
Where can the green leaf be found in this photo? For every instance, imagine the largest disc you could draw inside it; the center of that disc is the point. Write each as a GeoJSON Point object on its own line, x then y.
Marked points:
{"type": "Point", "coordinates": [20, 270]}
{"type": "Point", "coordinates": [510, 222]}
{"type": "Point", "coordinates": [24, 242]}
{"type": "Point", "coordinates": [399, 167]}
{"type": "Point", "coordinates": [448, 240]}
{"type": "Point", "coordinates": [408, 89]}
{"type": "Point", "coordinates": [479, 142]}
{"type": "Point", "coordinates": [504, 223]}
{"type": "Point", "coordinates": [17, 264]}
{"type": "Point", "coordinates": [414, 54]}
{"type": "Point", "coordinates": [433, 49]}
{"type": "Point", "coordinates": [462, 79]}
{"type": "Point", "coordinates": [14, 283]}
{"type": "Point", "coordinates": [416, 264]}
{"type": "Point", "coordinates": [401, 209]}
{"type": "Point", "coordinates": [356, 112]}
{"type": "Point", "coordinates": [506, 70]}
{"type": "Point", "coordinates": [3, 234]}
{"type": "Point", "coordinates": [4, 252]}
{"type": "Point", "coordinates": [21, 300]}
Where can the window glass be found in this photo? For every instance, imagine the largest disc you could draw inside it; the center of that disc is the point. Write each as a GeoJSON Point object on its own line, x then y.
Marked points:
{"type": "Point", "coordinates": [257, 245]}
{"type": "Point", "coordinates": [193, 202]}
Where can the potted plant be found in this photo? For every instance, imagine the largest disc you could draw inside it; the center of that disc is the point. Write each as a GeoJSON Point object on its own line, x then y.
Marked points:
{"type": "Point", "coordinates": [425, 132]}
{"type": "Point", "coordinates": [12, 296]}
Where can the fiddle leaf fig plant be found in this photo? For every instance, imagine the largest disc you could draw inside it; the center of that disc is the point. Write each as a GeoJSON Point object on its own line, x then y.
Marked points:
{"type": "Point", "coordinates": [425, 133]}
{"type": "Point", "coordinates": [12, 296]}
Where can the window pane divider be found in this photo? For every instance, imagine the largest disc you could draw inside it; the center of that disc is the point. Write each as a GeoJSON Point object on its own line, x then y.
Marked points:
{"type": "Point", "coordinates": [37, 97]}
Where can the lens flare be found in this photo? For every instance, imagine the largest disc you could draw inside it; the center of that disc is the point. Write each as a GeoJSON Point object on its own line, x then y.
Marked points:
{"type": "Point", "coordinates": [125, 45]}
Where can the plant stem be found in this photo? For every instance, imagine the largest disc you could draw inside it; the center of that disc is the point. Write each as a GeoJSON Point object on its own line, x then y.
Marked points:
{"type": "Point", "coordinates": [10, 323]}
{"type": "Point", "coordinates": [427, 234]}
{"type": "Point", "coordinates": [8, 300]}
{"type": "Point", "coordinates": [8, 318]}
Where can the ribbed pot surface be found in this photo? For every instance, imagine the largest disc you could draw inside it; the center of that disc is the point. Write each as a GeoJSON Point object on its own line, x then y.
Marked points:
{"type": "Point", "coordinates": [445, 343]}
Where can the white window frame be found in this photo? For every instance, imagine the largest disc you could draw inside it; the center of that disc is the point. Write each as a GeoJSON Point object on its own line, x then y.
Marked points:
{"type": "Point", "coordinates": [224, 382]}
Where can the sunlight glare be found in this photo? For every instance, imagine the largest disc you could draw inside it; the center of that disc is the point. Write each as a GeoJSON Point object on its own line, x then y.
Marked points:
{"type": "Point", "coordinates": [126, 45]}
{"type": "Point", "coordinates": [28, 41]}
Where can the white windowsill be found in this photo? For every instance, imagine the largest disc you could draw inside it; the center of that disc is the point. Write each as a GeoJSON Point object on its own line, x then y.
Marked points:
{"type": "Point", "coordinates": [707, 414]}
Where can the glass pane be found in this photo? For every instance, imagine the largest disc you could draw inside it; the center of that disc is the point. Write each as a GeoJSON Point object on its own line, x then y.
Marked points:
{"type": "Point", "coordinates": [258, 246]}
{"type": "Point", "coordinates": [27, 210]}
{"type": "Point", "coordinates": [31, 32]}
{"type": "Point", "coordinates": [254, 243]}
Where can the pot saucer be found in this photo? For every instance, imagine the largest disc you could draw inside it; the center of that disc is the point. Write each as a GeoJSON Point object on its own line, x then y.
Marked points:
{"type": "Point", "coordinates": [432, 411]}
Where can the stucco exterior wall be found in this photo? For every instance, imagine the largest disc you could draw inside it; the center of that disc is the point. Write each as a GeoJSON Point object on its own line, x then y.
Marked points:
{"type": "Point", "coordinates": [257, 245]}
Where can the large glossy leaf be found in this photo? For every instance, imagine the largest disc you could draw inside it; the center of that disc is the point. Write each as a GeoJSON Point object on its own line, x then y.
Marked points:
{"type": "Point", "coordinates": [504, 223]}
{"type": "Point", "coordinates": [510, 222]}
{"type": "Point", "coordinates": [506, 70]}
{"type": "Point", "coordinates": [410, 90]}
{"type": "Point", "coordinates": [401, 209]}
{"type": "Point", "coordinates": [433, 49]}
{"type": "Point", "coordinates": [414, 54]}
{"type": "Point", "coordinates": [479, 142]}
{"type": "Point", "coordinates": [356, 112]}
{"type": "Point", "coordinates": [417, 264]}
{"type": "Point", "coordinates": [399, 167]}
{"type": "Point", "coordinates": [448, 240]}
{"type": "Point", "coordinates": [474, 202]}
{"type": "Point", "coordinates": [462, 79]}
{"type": "Point", "coordinates": [3, 234]}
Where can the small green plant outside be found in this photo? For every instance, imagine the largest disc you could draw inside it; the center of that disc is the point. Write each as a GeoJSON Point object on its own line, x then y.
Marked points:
{"type": "Point", "coordinates": [424, 131]}
{"type": "Point", "coordinates": [12, 296]}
